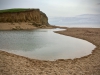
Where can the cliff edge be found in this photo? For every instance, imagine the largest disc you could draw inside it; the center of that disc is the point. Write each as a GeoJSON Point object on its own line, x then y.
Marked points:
{"type": "Point", "coordinates": [33, 17]}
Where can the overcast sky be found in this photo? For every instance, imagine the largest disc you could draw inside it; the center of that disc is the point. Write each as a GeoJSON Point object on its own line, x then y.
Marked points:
{"type": "Point", "coordinates": [56, 8]}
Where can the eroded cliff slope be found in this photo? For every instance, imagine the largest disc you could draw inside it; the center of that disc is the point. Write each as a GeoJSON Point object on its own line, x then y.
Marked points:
{"type": "Point", "coordinates": [34, 16]}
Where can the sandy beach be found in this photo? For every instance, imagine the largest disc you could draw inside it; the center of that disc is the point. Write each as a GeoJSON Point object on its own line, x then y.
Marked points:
{"type": "Point", "coordinates": [11, 64]}
{"type": "Point", "coordinates": [20, 26]}
{"type": "Point", "coordinates": [16, 26]}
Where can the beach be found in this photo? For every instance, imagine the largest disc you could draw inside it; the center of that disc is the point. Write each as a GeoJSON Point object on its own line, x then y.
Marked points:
{"type": "Point", "coordinates": [12, 64]}
{"type": "Point", "coordinates": [21, 26]}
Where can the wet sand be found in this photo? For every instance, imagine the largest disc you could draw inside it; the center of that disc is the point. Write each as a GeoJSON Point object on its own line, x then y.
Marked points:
{"type": "Point", "coordinates": [11, 64]}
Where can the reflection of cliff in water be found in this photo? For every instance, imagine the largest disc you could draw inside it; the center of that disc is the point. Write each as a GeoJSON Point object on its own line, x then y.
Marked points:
{"type": "Point", "coordinates": [44, 44]}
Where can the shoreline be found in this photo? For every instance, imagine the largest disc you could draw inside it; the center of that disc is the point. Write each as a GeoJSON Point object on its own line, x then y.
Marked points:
{"type": "Point", "coordinates": [21, 26]}
{"type": "Point", "coordinates": [86, 65]}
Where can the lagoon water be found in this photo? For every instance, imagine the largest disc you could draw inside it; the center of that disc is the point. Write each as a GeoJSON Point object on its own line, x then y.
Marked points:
{"type": "Point", "coordinates": [44, 44]}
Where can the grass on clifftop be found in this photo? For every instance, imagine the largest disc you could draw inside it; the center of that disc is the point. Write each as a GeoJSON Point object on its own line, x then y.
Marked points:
{"type": "Point", "coordinates": [14, 10]}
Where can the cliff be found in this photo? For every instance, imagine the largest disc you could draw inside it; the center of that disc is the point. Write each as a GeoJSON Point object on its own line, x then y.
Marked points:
{"type": "Point", "coordinates": [34, 16]}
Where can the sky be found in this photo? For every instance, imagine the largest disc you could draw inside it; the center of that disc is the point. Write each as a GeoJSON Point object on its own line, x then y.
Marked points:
{"type": "Point", "coordinates": [56, 8]}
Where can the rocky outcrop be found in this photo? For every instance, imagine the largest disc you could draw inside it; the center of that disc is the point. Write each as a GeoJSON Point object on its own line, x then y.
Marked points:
{"type": "Point", "coordinates": [34, 16]}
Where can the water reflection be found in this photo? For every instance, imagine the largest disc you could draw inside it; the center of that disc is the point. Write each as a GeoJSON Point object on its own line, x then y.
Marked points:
{"type": "Point", "coordinates": [44, 44]}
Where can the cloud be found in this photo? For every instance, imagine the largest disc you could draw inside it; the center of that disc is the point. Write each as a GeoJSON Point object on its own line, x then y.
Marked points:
{"type": "Point", "coordinates": [55, 8]}
{"type": "Point", "coordinates": [98, 3]}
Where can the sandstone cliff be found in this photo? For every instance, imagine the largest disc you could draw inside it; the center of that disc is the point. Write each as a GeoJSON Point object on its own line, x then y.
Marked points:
{"type": "Point", "coordinates": [34, 16]}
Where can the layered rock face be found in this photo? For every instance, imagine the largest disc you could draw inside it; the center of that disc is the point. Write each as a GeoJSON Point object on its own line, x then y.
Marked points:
{"type": "Point", "coordinates": [34, 16]}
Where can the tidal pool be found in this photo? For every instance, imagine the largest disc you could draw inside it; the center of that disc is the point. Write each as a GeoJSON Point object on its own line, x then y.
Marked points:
{"type": "Point", "coordinates": [44, 44]}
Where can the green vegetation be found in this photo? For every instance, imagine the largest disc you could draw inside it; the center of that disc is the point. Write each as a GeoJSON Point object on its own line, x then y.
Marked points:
{"type": "Point", "coordinates": [14, 10]}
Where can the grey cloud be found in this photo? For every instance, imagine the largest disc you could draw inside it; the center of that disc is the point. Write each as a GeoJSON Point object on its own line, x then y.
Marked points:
{"type": "Point", "coordinates": [5, 3]}
{"type": "Point", "coordinates": [98, 3]}
{"type": "Point", "coordinates": [60, 9]}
